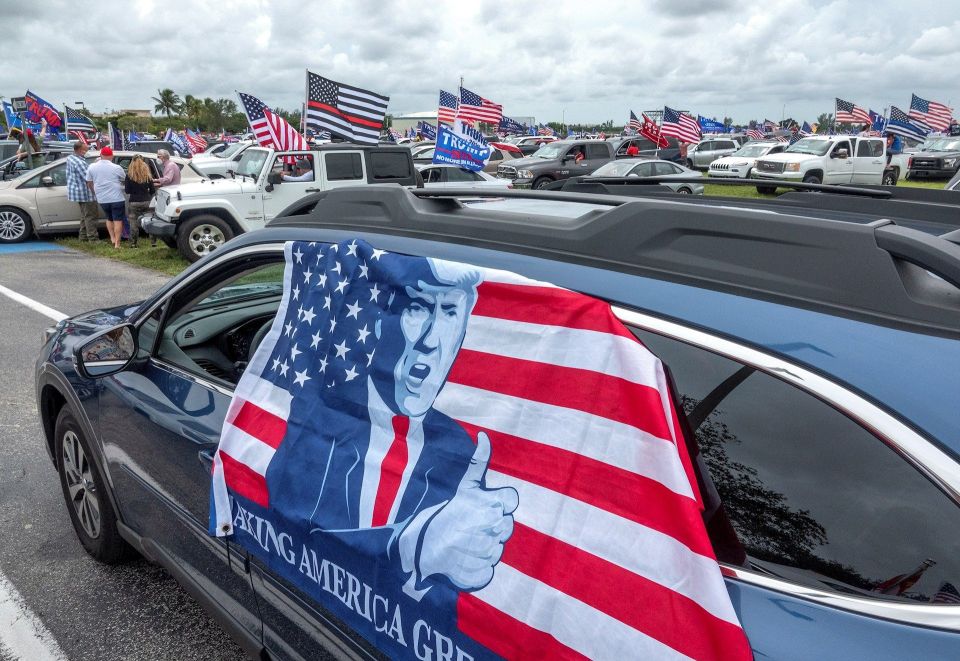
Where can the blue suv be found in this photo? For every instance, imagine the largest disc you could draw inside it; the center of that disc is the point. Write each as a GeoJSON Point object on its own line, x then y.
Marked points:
{"type": "Point", "coordinates": [812, 343]}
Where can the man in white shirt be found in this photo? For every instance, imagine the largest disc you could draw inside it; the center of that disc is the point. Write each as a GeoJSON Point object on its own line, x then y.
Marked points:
{"type": "Point", "coordinates": [105, 178]}
{"type": "Point", "coordinates": [304, 169]}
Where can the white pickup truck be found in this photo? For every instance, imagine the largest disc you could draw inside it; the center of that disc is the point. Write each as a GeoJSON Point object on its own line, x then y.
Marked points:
{"type": "Point", "coordinates": [197, 218]}
{"type": "Point", "coordinates": [829, 159]}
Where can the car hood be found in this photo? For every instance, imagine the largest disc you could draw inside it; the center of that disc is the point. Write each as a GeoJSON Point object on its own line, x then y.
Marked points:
{"type": "Point", "coordinates": [528, 161]}
{"type": "Point", "coordinates": [205, 188]}
{"type": "Point", "coordinates": [953, 153]}
{"type": "Point", "coordinates": [788, 158]}
{"type": "Point", "coordinates": [738, 159]}
{"type": "Point", "coordinates": [4, 185]}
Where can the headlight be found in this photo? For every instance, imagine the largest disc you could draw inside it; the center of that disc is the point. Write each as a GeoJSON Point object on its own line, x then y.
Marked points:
{"type": "Point", "coordinates": [525, 174]}
{"type": "Point", "coordinates": [791, 167]}
{"type": "Point", "coordinates": [949, 162]}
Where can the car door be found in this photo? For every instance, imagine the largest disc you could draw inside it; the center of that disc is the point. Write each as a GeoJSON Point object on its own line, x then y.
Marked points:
{"type": "Point", "coordinates": [839, 170]}
{"type": "Point", "coordinates": [833, 545]}
{"type": "Point", "coordinates": [703, 155]}
{"type": "Point", "coordinates": [49, 189]}
{"type": "Point", "coordinates": [868, 162]}
{"type": "Point", "coordinates": [597, 155]}
{"type": "Point", "coordinates": [279, 195]}
{"type": "Point", "coordinates": [161, 421]}
{"type": "Point", "coordinates": [345, 168]}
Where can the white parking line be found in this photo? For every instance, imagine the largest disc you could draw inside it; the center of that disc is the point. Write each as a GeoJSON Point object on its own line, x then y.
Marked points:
{"type": "Point", "coordinates": [22, 634]}
{"type": "Point", "coordinates": [32, 304]}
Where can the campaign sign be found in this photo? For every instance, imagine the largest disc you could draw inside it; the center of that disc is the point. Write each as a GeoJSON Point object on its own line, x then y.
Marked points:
{"type": "Point", "coordinates": [454, 149]}
{"type": "Point", "coordinates": [710, 125]}
{"type": "Point", "coordinates": [37, 110]}
{"type": "Point", "coordinates": [463, 463]}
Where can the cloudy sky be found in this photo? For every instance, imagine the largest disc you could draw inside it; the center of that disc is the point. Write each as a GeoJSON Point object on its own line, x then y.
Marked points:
{"type": "Point", "coordinates": [586, 62]}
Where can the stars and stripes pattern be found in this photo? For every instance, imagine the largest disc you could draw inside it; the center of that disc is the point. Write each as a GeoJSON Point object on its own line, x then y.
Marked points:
{"type": "Point", "coordinates": [270, 129]}
{"type": "Point", "coordinates": [755, 134]}
{"type": "Point", "coordinates": [77, 120]}
{"type": "Point", "coordinates": [347, 111]}
{"type": "Point", "coordinates": [931, 113]}
{"type": "Point", "coordinates": [899, 123]}
{"type": "Point", "coordinates": [79, 136]}
{"type": "Point", "coordinates": [475, 108]}
{"type": "Point", "coordinates": [947, 594]}
{"type": "Point", "coordinates": [679, 125]}
{"type": "Point", "coordinates": [195, 142]}
{"type": "Point", "coordinates": [609, 556]}
{"type": "Point", "coordinates": [634, 123]}
{"type": "Point", "coordinates": [848, 113]}
{"type": "Point", "coordinates": [447, 110]}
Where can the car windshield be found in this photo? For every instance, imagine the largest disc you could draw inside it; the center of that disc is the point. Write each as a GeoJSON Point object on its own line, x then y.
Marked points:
{"type": "Point", "coordinates": [809, 146]}
{"type": "Point", "coordinates": [946, 145]}
{"type": "Point", "coordinates": [251, 163]}
{"type": "Point", "coordinates": [751, 151]}
{"type": "Point", "coordinates": [231, 150]}
{"type": "Point", "coordinates": [549, 151]}
{"type": "Point", "coordinates": [614, 169]}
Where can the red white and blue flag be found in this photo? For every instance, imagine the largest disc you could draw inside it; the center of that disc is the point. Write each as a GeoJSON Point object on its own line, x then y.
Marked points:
{"type": "Point", "coordinates": [447, 110]}
{"type": "Point", "coordinates": [270, 129]}
{"type": "Point", "coordinates": [930, 113]}
{"type": "Point", "coordinates": [680, 125]}
{"type": "Point", "coordinates": [351, 112]}
{"type": "Point", "coordinates": [849, 113]}
{"type": "Point", "coordinates": [195, 141]}
{"type": "Point", "coordinates": [475, 108]}
{"type": "Point", "coordinates": [427, 446]}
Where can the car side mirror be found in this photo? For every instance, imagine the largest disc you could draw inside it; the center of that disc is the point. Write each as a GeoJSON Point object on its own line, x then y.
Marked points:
{"type": "Point", "coordinates": [46, 181]}
{"type": "Point", "coordinates": [107, 352]}
{"type": "Point", "coordinates": [274, 178]}
{"type": "Point", "coordinates": [841, 153]}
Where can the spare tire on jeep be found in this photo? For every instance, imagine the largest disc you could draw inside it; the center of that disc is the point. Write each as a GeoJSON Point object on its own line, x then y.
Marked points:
{"type": "Point", "coordinates": [200, 235]}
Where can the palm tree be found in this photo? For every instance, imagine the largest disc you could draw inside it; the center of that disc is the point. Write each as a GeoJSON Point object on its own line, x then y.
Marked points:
{"type": "Point", "coordinates": [168, 102]}
{"type": "Point", "coordinates": [192, 109]}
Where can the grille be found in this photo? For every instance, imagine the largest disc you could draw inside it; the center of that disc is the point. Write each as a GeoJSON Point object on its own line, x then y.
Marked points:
{"type": "Point", "coordinates": [926, 163]}
{"type": "Point", "coordinates": [719, 166]}
{"type": "Point", "coordinates": [507, 172]}
{"type": "Point", "coordinates": [188, 334]}
{"type": "Point", "coordinates": [770, 166]}
{"type": "Point", "coordinates": [210, 367]}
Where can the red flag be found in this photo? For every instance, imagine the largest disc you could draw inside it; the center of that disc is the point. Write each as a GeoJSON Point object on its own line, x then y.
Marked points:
{"type": "Point", "coordinates": [651, 132]}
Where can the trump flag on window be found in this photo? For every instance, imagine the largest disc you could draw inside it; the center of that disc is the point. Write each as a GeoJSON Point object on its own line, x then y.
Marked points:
{"type": "Point", "coordinates": [465, 463]}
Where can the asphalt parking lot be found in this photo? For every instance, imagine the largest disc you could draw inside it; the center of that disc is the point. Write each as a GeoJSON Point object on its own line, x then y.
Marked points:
{"type": "Point", "coordinates": [55, 601]}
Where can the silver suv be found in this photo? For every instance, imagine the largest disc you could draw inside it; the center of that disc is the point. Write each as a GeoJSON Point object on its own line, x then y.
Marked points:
{"type": "Point", "coordinates": [708, 150]}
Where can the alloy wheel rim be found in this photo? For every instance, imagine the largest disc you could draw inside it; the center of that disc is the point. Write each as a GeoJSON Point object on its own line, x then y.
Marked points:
{"type": "Point", "coordinates": [204, 239]}
{"type": "Point", "coordinates": [81, 489]}
{"type": "Point", "coordinates": [12, 225]}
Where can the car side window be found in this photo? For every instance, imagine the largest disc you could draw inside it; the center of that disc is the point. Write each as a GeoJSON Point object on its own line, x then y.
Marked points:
{"type": "Point", "coordinates": [776, 150]}
{"type": "Point", "coordinates": [58, 173]}
{"type": "Point", "coordinates": [214, 325]}
{"type": "Point", "coordinates": [869, 148]}
{"type": "Point", "coordinates": [664, 168]}
{"type": "Point", "coordinates": [495, 155]}
{"type": "Point", "coordinates": [813, 497]}
{"type": "Point", "coordinates": [343, 166]}
{"type": "Point", "coordinates": [597, 151]}
{"type": "Point", "coordinates": [458, 174]}
{"type": "Point", "coordinates": [643, 170]}
{"type": "Point", "coordinates": [706, 146]}
{"type": "Point", "coordinates": [433, 175]}
{"type": "Point", "coordinates": [392, 165]}
{"type": "Point", "coordinates": [842, 145]}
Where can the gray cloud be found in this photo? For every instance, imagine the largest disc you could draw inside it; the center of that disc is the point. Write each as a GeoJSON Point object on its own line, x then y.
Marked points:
{"type": "Point", "coordinates": [589, 64]}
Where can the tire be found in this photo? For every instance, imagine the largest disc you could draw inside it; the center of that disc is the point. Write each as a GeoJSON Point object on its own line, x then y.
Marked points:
{"type": "Point", "coordinates": [812, 179]}
{"type": "Point", "coordinates": [685, 191]}
{"type": "Point", "coordinates": [542, 182]}
{"type": "Point", "coordinates": [201, 235]}
{"type": "Point", "coordinates": [766, 190]}
{"type": "Point", "coordinates": [690, 164]}
{"type": "Point", "coordinates": [91, 512]}
{"type": "Point", "coordinates": [889, 179]}
{"type": "Point", "coordinates": [15, 225]}
{"type": "Point", "coordinates": [171, 242]}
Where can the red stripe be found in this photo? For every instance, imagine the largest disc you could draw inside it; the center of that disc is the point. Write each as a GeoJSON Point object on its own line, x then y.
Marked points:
{"type": "Point", "coordinates": [670, 617]}
{"type": "Point", "coordinates": [507, 636]}
{"type": "Point", "coordinates": [260, 424]}
{"type": "Point", "coordinates": [569, 387]}
{"type": "Point", "coordinates": [391, 472]}
{"type": "Point", "coordinates": [634, 497]}
{"type": "Point", "coordinates": [244, 481]}
{"type": "Point", "coordinates": [350, 118]}
{"type": "Point", "coordinates": [547, 305]}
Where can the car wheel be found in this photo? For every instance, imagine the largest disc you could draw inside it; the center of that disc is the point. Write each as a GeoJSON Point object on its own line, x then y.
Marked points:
{"type": "Point", "coordinates": [542, 182]}
{"type": "Point", "coordinates": [690, 164]}
{"type": "Point", "coordinates": [766, 190]}
{"type": "Point", "coordinates": [171, 243]}
{"type": "Point", "coordinates": [15, 225]}
{"type": "Point", "coordinates": [889, 179]}
{"type": "Point", "coordinates": [201, 235]}
{"type": "Point", "coordinates": [812, 179]}
{"type": "Point", "coordinates": [85, 493]}
{"type": "Point", "coordinates": [685, 191]}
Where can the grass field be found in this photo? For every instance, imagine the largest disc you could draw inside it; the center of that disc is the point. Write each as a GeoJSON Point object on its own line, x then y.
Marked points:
{"type": "Point", "coordinates": [166, 260]}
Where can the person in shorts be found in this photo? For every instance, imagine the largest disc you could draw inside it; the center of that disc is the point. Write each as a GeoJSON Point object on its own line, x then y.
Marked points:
{"type": "Point", "coordinates": [105, 178]}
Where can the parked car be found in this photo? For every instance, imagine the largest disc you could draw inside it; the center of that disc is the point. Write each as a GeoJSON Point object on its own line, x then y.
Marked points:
{"type": "Point", "coordinates": [529, 144]}
{"type": "Point", "coordinates": [954, 184]}
{"type": "Point", "coordinates": [451, 176]}
{"type": "Point", "coordinates": [740, 163]}
{"type": "Point", "coordinates": [555, 161]}
{"type": "Point", "coordinates": [651, 167]}
{"type": "Point", "coordinates": [36, 202]}
{"type": "Point", "coordinates": [12, 167]}
{"type": "Point", "coordinates": [153, 146]}
{"type": "Point", "coordinates": [705, 152]}
{"type": "Point", "coordinates": [502, 152]}
{"type": "Point", "coordinates": [199, 217]}
{"type": "Point", "coordinates": [422, 152]}
{"type": "Point", "coordinates": [937, 158]}
{"type": "Point", "coordinates": [647, 148]}
{"type": "Point", "coordinates": [829, 159]}
{"type": "Point", "coordinates": [815, 366]}
{"type": "Point", "coordinates": [8, 148]}
{"type": "Point", "coordinates": [221, 164]}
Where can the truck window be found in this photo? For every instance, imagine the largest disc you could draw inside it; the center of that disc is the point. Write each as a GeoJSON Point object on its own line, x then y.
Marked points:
{"type": "Point", "coordinates": [389, 165]}
{"type": "Point", "coordinates": [343, 166]}
{"type": "Point", "coordinates": [842, 145]}
{"type": "Point", "coordinates": [597, 151]}
{"type": "Point", "coordinates": [870, 148]}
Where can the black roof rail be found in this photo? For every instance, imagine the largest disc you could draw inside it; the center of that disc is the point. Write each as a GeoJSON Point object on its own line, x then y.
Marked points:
{"type": "Point", "coordinates": [878, 270]}
{"type": "Point", "coordinates": [796, 185]}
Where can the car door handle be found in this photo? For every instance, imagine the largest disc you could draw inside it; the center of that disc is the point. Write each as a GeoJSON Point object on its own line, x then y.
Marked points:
{"type": "Point", "coordinates": [313, 190]}
{"type": "Point", "coordinates": [206, 458]}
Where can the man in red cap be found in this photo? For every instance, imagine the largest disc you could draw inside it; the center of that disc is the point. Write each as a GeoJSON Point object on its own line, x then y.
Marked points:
{"type": "Point", "coordinates": [105, 179]}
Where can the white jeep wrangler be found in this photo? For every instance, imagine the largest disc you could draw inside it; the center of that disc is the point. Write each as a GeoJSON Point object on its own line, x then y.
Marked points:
{"type": "Point", "coordinates": [829, 159]}
{"type": "Point", "coordinates": [197, 218]}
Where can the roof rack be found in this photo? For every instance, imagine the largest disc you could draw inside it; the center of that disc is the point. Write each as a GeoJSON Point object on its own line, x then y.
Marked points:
{"type": "Point", "coordinates": [878, 270]}
{"type": "Point", "coordinates": [649, 181]}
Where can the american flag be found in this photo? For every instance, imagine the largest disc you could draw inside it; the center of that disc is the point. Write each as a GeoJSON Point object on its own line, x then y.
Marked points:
{"type": "Point", "coordinates": [848, 113]}
{"type": "Point", "coordinates": [79, 136]}
{"type": "Point", "coordinates": [680, 125]}
{"type": "Point", "coordinates": [77, 120]}
{"type": "Point", "coordinates": [770, 125]}
{"type": "Point", "coordinates": [270, 129]}
{"type": "Point", "coordinates": [755, 134]}
{"type": "Point", "coordinates": [634, 123]}
{"type": "Point", "coordinates": [195, 141]}
{"type": "Point", "coordinates": [546, 130]}
{"type": "Point", "coordinates": [475, 108]}
{"type": "Point", "coordinates": [447, 111]}
{"type": "Point", "coordinates": [899, 124]}
{"type": "Point", "coordinates": [351, 112]}
{"type": "Point", "coordinates": [609, 556]}
{"type": "Point", "coordinates": [935, 115]}
{"type": "Point", "coordinates": [947, 594]}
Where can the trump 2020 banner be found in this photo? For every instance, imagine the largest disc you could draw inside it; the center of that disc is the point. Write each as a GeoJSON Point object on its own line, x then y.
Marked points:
{"type": "Point", "coordinates": [457, 148]}
{"type": "Point", "coordinates": [464, 463]}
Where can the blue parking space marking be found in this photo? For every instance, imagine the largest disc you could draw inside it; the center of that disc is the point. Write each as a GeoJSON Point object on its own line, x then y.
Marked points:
{"type": "Point", "coordinates": [29, 246]}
